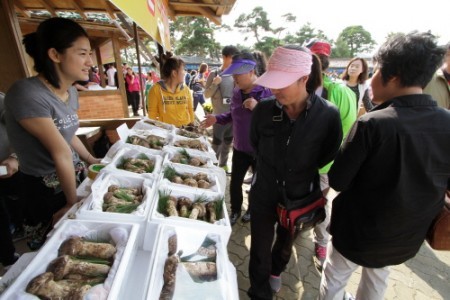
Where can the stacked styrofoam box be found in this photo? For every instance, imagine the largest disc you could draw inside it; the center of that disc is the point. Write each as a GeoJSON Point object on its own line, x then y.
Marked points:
{"type": "Point", "coordinates": [171, 151]}
{"type": "Point", "coordinates": [92, 209]}
{"type": "Point", "coordinates": [146, 123]}
{"type": "Point", "coordinates": [215, 185]}
{"type": "Point", "coordinates": [122, 235]}
{"type": "Point", "coordinates": [135, 152]}
{"type": "Point", "coordinates": [208, 149]}
{"type": "Point", "coordinates": [221, 226]}
{"type": "Point", "coordinates": [188, 241]}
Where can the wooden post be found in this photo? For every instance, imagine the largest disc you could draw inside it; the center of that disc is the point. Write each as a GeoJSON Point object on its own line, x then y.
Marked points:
{"type": "Point", "coordinates": [136, 42]}
{"type": "Point", "coordinates": [12, 55]}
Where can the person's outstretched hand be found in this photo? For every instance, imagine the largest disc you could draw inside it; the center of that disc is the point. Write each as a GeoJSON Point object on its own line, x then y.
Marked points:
{"type": "Point", "coordinates": [208, 121]}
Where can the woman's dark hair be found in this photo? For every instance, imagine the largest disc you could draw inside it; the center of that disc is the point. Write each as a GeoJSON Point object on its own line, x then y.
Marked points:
{"type": "Point", "coordinates": [315, 77]}
{"type": "Point", "coordinates": [365, 70]}
{"type": "Point", "coordinates": [413, 58]}
{"type": "Point", "coordinates": [171, 63]}
{"type": "Point", "coordinates": [203, 68]}
{"type": "Point", "coordinates": [58, 33]}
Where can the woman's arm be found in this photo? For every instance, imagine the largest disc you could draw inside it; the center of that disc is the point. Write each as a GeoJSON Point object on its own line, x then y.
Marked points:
{"type": "Point", "coordinates": [46, 132]}
{"type": "Point", "coordinates": [84, 154]}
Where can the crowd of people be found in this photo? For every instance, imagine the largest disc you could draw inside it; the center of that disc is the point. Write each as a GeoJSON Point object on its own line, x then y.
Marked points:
{"type": "Point", "coordinates": [381, 146]}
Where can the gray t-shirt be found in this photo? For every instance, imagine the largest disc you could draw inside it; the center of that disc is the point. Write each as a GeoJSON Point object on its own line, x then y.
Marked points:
{"type": "Point", "coordinates": [30, 98]}
{"type": "Point", "coordinates": [224, 90]}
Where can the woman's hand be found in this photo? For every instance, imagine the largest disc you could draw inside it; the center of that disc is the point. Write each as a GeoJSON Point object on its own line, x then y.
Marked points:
{"type": "Point", "coordinates": [208, 121]}
{"type": "Point", "coordinates": [12, 166]}
{"type": "Point", "coordinates": [60, 213]}
{"type": "Point", "coordinates": [249, 103]}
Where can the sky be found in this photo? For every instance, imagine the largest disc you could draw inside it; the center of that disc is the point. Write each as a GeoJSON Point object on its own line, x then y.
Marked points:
{"type": "Point", "coordinates": [379, 17]}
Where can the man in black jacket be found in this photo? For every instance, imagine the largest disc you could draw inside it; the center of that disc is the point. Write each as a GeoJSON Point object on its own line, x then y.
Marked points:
{"type": "Point", "coordinates": [392, 171]}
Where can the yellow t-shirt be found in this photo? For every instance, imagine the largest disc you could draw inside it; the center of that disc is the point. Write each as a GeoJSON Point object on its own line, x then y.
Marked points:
{"type": "Point", "coordinates": [172, 108]}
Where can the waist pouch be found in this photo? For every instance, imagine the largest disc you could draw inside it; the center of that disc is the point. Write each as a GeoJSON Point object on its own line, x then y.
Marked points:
{"type": "Point", "coordinates": [301, 216]}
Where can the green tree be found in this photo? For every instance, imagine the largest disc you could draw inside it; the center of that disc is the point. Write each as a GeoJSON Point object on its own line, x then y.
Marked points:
{"type": "Point", "coordinates": [304, 34]}
{"type": "Point", "coordinates": [267, 45]}
{"type": "Point", "coordinates": [358, 39]}
{"type": "Point", "coordinates": [341, 49]}
{"type": "Point", "coordinates": [256, 22]}
{"type": "Point", "coordinates": [194, 36]}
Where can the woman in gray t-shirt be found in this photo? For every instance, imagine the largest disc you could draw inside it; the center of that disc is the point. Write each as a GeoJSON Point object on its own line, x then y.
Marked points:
{"type": "Point", "coordinates": [41, 120]}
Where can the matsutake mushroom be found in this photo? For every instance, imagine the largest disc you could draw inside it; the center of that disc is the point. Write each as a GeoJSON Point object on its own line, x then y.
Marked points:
{"type": "Point", "coordinates": [45, 287]}
{"type": "Point", "coordinates": [198, 211]}
{"type": "Point", "coordinates": [184, 204]}
{"type": "Point", "coordinates": [76, 246]}
{"type": "Point", "coordinates": [63, 265]}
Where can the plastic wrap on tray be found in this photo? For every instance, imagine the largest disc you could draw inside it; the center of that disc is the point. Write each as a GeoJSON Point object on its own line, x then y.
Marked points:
{"type": "Point", "coordinates": [193, 206]}
{"type": "Point", "coordinates": [197, 263]}
{"type": "Point", "coordinates": [150, 138]}
{"type": "Point", "coordinates": [147, 123]}
{"type": "Point", "coordinates": [131, 156]}
{"type": "Point", "coordinates": [190, 177]}
{"type": "Point", "coordinates": [122, 236]}
{"type": "Point", "coordinates": [104, 183]}
{"type": "Point", "coordinates": [187, 156]}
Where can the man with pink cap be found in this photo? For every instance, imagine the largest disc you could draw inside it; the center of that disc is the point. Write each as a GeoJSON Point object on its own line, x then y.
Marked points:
{"type": "Point", "coordinates": [294, 134]}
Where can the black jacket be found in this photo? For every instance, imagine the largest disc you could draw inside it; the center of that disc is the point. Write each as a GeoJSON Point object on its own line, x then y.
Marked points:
{"type": "Point", "coordinates": [392, 171]}
{"type": "Point", "coordinates": [314, 139]}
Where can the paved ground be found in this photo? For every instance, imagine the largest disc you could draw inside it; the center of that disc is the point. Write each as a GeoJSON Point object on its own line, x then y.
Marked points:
{"type": "Point", "coordinates": [427, 276]}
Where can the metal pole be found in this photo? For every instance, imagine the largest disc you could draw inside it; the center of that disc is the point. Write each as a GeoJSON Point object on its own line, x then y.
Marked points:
{"type": "Point", "coordinates": [136, 41]}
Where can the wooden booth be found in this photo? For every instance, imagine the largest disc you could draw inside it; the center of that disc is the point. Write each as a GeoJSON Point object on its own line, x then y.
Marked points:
{"type": "Point", "coordinates": [111, 25]}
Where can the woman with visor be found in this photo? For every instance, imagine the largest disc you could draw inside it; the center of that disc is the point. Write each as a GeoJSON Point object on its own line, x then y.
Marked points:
{"type": "Point", "coordinates": [245, 68]}
{"type": "Point", "coordinates": [293, 135]}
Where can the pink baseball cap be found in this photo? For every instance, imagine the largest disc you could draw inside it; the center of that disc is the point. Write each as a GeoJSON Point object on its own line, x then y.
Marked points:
{"type": "Point", "coordinates": [285, 66]}
{"type": "Point", "coordinates": [320, 48]}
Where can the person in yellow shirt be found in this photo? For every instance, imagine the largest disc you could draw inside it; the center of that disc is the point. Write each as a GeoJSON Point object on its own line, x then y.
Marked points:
{"type": "Point", "coordinates": [170, 100]}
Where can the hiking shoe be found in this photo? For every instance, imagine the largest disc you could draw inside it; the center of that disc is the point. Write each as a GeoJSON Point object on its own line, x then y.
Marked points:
{"type": "Point", "coordinates": [319, 257]}
{"type": "Point", "coordinates": [246, 217]}
{"type": "Point", "coordinates": [234, 217]}
{"type": "Point", "coordinates": [275, 283]}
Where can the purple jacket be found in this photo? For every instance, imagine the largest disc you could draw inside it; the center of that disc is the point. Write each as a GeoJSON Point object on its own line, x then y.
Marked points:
{"type": "Point", "coordinates": [241, 117]}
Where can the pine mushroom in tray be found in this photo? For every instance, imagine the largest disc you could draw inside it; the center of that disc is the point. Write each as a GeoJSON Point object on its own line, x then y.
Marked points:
{"type": "Point", "coordinates": [197, 208]}
{"type": "Point", "coordinates": [200, 180]}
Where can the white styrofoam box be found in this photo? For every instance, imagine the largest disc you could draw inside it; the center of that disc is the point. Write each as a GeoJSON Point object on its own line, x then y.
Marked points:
{"type": "Point", "coordinates": [122, 235]}
{"type": "Point", "coordinates": [84, 189]}
{"type": "Point", "coordinates": [209, 150]}
{"type": "Point", "coordinates": [147, 123]}
{"type": "Point", "coordinates": [188, 241]}
{"type": "Point", "coordinates": [134, 153]}
{"type": "Point", "coordinates": [221, 226]}
{"type": "Point", "coordinates": [171, 151]}
{"type": "Point", "coordinates": [186, 133]}
{"type": "Point", "coordinates": [91, 209]}
{"type": "Point", "coordinates": [122, 145]}
{"type": "Point", "coordinates": [182, 169]}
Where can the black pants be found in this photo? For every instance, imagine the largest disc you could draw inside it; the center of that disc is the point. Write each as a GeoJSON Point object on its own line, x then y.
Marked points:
{"type": "Point", "coordinates": [241, 162]}
{"type": "Point", "coordinates": [266, 260]}
{"type": "Point", "coordinates": [9, 187]}
{"type": "Point", "coordinates": [134, 98]}
{"type": "Point", "coordinates": [40, 202]}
